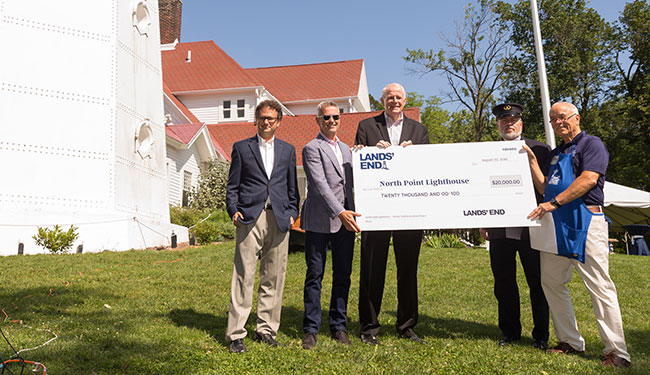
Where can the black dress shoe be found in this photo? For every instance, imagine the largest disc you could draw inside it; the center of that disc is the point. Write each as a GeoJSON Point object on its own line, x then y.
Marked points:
{"type": "Point", "coordinates": [266, 338]}
{"type": "Point", "coordinates": [505, 340]}
{"type": "Point", "coordinates": [410, 334]}
{"type": "Point", "coordinates": [540, 344]}
{"type": "Point", "coordinates": [309, 342]}
{"type": "Point", "coordinates": [237, 346]}
{"type": "Point", "coordinates": [369, 339]}
{"type": "Point", "coordinates": [342, 337]}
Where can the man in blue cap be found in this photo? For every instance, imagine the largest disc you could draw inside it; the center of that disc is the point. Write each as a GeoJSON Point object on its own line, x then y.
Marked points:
{"type": "Point", "coordinates": [505, 243]}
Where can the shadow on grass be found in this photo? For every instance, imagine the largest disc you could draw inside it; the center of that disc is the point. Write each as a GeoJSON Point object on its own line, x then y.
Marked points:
{"type": "Point", "coordinates": [450, 328]}
{"type": "Point", "coordinates": [215, 326]}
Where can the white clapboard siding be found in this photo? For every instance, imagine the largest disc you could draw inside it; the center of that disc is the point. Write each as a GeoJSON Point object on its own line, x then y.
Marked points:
{"type": "Point", "coordinates": [180, 161]}
{"type": "Point", "coordinates": [208, 108]}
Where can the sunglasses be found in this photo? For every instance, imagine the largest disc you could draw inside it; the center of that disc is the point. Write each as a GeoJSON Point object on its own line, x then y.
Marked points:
{"type": "Point", "coordinates": [327, 117]}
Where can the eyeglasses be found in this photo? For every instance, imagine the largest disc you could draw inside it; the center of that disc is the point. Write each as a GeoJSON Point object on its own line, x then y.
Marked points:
{"type": "Point", "coordinates": [271, 120]}
{"type": "Point", "coordinates": [327, 117]}
{"type": "Point", "coordinates": [561, 119]}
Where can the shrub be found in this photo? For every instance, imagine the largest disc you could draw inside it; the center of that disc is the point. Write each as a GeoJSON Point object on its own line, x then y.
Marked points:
{"type": "Point", "coordinates": [186, 216]}
{"type": "Point", "coordinates": [211, 191]}
{"type": "Point", "coordinates": [443, 240]}
{"type": "Point", "coordinates": [56, 240]}
{"type": "Point", "coordinates": [207, 232]}
{"type": "Point", "coordinates": [227, 229]}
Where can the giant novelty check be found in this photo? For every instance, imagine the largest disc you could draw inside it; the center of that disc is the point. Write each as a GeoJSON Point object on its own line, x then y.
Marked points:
{"type": "Point", "coordinates": [457, 185]}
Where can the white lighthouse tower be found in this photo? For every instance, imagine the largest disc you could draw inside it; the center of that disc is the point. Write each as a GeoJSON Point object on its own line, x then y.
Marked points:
{"type": "Point", "coordinates": [82, 138]}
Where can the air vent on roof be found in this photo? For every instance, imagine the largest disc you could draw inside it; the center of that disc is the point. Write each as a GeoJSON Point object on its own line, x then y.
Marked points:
{"type": "Point", "coordinates": [189, 56]}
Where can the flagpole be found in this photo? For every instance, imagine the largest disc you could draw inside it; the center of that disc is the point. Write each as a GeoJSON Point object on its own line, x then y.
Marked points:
{"type": "Point", "coordinates": [541, 71]}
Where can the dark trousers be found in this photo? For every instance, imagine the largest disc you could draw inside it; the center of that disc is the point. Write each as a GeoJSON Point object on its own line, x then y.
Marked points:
{"type": "Point", "coordinates": [374, 254]}
{"type": "Point", "coordinates": [503, 253]}
{"type": "Point", "coordinates": [342, 243]}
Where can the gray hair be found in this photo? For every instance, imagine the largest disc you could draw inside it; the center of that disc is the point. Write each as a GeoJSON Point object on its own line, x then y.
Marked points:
{"type": "Point", "coordinates": [385, 89]}
{"type": "Point", "coordinates": [322, 105]}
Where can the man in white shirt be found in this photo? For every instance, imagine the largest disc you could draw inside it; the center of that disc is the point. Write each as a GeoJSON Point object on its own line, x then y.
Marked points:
{"type": "Point", "coordinates": [262, 200]}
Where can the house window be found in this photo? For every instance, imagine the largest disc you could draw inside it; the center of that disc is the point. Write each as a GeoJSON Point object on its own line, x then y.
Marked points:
{"type": "Point", "coordinates": [187, 188]}
{"type": "Point", "coordinates": [241, 110]}
{"type": "Point", "coordinates": [226, 109]}
{"type": "Point", "coordinates": [341, 110]}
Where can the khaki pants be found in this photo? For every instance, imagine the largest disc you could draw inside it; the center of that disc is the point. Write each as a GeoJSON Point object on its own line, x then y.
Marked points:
{"type": "Point", "coordinates": [556, 273]}
{"type": "Point", "coordinates": [260, 240]}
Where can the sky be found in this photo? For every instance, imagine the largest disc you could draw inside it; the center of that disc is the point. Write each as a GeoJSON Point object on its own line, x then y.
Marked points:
{"type": "Point", "coordinates": [290, 32]}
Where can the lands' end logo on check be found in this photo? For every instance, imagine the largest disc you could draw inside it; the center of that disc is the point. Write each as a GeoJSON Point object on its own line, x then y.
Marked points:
{"type": "Point", "coordinates": [375, 160]}
{"type": "Point", "coordinates": [491, 212]}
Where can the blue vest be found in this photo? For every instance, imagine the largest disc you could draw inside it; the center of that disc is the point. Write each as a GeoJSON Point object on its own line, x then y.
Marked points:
{"type": "Point", "coordinates": [572, 219]}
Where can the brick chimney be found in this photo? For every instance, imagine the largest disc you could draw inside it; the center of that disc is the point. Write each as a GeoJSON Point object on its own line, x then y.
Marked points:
{"type": "Point", "coordinates": [170, 20]}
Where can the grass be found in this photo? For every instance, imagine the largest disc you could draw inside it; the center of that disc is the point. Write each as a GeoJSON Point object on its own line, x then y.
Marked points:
{"type": "Point", "coordinates": [165, 312]}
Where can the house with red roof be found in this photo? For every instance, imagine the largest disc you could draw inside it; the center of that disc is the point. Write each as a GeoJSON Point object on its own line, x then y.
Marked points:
{"type": "Point", "coordinates": [205, 88]}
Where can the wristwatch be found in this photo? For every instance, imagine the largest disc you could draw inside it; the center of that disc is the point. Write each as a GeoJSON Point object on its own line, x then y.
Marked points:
{"type": "Point", "coordinates": [555, 203]}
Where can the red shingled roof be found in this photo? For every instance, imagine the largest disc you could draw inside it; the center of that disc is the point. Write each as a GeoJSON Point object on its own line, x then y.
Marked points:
{"type": "Point", "coordinates": [338, 79]}
{"type": "Point", "coordinates": [210, 68]}
{"type": "Point", "coordinates": [190, 116]}
{"type": "Point", "coordinates": [297, 130]}
{"type": "Point", "coordinates": [183, 132]}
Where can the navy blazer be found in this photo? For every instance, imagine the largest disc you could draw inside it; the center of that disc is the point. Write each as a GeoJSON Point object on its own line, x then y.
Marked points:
{"type": "Point", "coordinates": [372, 130]}
{"type": "Point", "coordinates": [249, 187]}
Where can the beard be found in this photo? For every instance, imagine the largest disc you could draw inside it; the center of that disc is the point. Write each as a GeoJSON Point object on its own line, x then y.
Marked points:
{"type": "Point", "coordinates": [510, 136]}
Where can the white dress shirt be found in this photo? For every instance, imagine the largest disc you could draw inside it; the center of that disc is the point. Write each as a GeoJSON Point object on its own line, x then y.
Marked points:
{"type": "Point", "coordinates": [268, 155]}
{"type": "Point", "coordinates": [394, 128]}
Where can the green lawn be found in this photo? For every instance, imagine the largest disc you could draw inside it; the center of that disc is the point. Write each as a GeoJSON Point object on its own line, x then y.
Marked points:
{"type": "Point", "coordinates": [165, 312]}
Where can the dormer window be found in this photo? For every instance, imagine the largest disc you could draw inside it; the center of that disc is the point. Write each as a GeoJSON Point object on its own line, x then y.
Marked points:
{"type": "Point", "coordinates": [241, 108]}
{"type": "Point", "coordinates": [226, 109]}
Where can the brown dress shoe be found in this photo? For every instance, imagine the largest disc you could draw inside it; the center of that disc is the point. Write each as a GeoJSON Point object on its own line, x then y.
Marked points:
{"type": "Point", "coordinates": [612, 360]}
{"type": "Point", "coordinates": [342, 337]}
{"type": "Point", "coordinates": [564, 348]}
{"type": "Point", "coordinates": [309, 342]}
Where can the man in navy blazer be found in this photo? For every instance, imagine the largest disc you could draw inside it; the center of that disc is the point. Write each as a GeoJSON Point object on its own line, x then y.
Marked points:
{"type": "Point", "coordinates": [391, 128]}
{"type": "Point", "coordinates": [262, 200]}
{"type": "Point", "coordinates": [328, 218]}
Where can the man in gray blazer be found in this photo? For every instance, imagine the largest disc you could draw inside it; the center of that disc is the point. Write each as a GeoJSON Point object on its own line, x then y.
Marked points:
{"type": "Point", "coordinates": [328, 218]}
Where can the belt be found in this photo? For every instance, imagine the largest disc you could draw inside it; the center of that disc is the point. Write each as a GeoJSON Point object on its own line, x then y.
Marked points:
{"type": "Point", "coordinates": [595, 209]}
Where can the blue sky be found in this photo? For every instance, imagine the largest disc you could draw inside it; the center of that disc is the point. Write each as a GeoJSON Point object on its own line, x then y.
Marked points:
{"type": "Point", "coordinates": [288, 32]}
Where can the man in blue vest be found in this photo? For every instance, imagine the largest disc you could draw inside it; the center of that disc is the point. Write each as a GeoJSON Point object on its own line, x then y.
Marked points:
{"type": "Point", "coordinates": [572, 182]}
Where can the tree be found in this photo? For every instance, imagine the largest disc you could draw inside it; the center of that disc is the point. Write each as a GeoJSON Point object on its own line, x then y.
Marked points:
{"type": "Point", "coordinates": [211, 191]}
{"type": "Point", "coordinates": [472, 63]}
{"type": "Point", "coordinates": [375, 105]}
{"type": "Point", "coordinates": [629, 140]}
{"type": "Point", "coordinates": [578, 53]}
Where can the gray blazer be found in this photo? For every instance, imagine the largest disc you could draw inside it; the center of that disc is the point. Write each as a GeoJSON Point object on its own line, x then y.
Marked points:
{"type": "Point", "coordinates": [328, 186]}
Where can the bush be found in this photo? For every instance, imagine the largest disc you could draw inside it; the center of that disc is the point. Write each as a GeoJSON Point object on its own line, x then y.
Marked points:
{"type": "Point", "coordinates": [211, 191]}
{"type": "Point", "coordinates": [207, 232]}
{"type": "Point", "coordinates": [444, 240]}
{"type": "Point", "coordinates": [186, 216]}
{"type": "Point", "coordinates": [227, 229]}
{"type": "Point", "coordinates": [56, 240]}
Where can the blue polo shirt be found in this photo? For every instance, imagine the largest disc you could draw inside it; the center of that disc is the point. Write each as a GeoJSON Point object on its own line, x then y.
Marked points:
{"type": "Point", "coordinates": [590, 155]}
